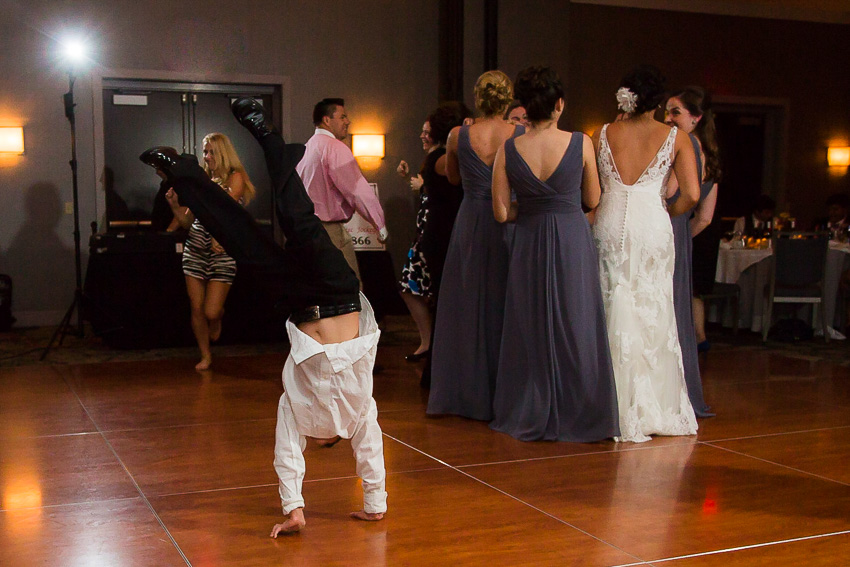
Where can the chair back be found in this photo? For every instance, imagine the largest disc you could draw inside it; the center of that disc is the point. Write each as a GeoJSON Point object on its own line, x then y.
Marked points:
{"type": "Point", "coordinates": [800, 261]}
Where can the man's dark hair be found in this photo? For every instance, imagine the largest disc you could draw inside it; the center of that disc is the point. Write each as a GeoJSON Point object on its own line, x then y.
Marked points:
{"type": "Point", "coordinates": [840, 199]}
{"type": "Point", "coordinates": [325, 107]}
{"type": "Point", "coordinates": [764, 203]}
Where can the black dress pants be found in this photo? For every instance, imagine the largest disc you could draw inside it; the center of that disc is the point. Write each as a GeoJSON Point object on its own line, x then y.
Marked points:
{"type": "Point", "coordinates": [310, 270]}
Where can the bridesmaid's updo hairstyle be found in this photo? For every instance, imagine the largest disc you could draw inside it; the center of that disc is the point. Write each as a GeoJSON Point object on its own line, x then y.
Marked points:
{"type": "Point", "coordinates": [538, 89]}
{"type": "Point", "coordinates": [447, 116]}
{"type": "Point", "coordinates": [647, 83]}
{"type": "Point", "coordinates": [698, 102]}
{"type": "Point", "coordinates": [494, 91]}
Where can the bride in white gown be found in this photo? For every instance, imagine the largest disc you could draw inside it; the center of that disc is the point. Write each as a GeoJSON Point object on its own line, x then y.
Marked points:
{"type": "Point", "coordinates": [634, 238]}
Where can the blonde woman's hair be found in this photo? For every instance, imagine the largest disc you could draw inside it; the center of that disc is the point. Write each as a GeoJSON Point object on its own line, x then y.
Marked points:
{"type": "Point", "coordinates": [227, 163]}
{"type": "Point", "coordinates": [494, 91]}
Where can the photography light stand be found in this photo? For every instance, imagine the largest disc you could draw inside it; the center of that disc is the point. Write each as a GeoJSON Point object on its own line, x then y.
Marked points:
{"type": "Point", "coordinates": [76, 304]}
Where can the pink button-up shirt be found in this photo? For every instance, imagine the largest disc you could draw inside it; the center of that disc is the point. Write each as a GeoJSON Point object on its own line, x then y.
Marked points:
{"type": "Point", "coordinates": [335, 183]}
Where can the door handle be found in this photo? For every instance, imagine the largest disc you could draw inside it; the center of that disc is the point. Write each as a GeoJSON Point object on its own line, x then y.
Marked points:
{"type": "Point", "coordinates": [184, 118]}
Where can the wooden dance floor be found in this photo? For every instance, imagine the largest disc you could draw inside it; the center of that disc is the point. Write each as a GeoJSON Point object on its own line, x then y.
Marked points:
{"type": "Point", "coordinates": [153, 464]}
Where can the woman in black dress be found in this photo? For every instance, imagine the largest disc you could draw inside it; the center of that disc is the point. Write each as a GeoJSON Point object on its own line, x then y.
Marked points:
{"type": "Point", "coordinates": [440, 200]}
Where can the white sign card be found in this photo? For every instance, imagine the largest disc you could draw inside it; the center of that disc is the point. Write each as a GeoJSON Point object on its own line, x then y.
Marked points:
{"type": "Point", "coordinates": [363, 235]}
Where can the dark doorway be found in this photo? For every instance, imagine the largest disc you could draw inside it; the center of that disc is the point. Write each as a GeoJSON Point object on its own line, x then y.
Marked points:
{"type": "Point", "coordinates": [750, 137]}
{"type": "Point", "coordinates": [141, 114]}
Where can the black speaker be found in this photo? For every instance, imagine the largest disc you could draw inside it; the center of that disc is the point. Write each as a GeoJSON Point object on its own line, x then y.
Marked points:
{"type": "Point", "coordinates": [6, 319]}
{"type": "Point", "coordinates": [380, 283]}
{"type": "Point", "coordinates": [135, 293]}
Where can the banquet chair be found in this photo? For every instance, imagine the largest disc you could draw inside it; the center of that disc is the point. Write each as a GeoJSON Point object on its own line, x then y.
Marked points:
{"type": "Point", "coordinates": [841, 308]}
{"type": "Point", "coordinates": [730, 295]}
{"type": "Point", "coordinates": [797, 275]}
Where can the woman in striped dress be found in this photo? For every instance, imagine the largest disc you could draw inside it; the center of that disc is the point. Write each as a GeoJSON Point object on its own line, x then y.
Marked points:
{"type": "Point", "coordinates": [208, 269]}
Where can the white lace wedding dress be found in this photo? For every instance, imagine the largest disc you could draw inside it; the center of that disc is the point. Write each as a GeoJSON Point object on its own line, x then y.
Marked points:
{"type": "Point", "coordinates": [634, 238]}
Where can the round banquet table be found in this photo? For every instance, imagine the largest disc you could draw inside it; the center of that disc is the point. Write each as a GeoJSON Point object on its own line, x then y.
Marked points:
{"type": "Point", "coordinates": [750, 269]}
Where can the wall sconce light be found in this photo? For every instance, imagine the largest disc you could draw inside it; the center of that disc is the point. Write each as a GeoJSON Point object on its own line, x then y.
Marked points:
{"type": "Point", "coordinates": [838, 156]}
{"type": "Point", "coordinates": [367, 145]}
{"type": "Point", "coordinates": [12, 140]}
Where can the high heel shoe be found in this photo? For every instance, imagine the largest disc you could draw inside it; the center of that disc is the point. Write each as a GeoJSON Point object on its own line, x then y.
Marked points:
{"type": "Point", "coordinates": [704, 346]}
{"type": "Point", "coordinates": [413, 357]}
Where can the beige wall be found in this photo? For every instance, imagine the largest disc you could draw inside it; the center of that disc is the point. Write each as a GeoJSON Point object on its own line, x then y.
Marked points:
{"type": "Point", "coordinates": [378, 54]}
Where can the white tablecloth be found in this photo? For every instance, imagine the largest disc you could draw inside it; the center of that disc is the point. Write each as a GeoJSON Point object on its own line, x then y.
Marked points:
{"type": "Point", "coordinates": [751, 272]}
{"type": "Point", "coordinates": [732, 263]}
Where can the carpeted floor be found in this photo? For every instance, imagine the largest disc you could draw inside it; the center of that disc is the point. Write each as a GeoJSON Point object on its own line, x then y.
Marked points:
{"type": "Point", "coordinates": [25, 346]}
{"type": "Point", "coordinates": [20, 347]}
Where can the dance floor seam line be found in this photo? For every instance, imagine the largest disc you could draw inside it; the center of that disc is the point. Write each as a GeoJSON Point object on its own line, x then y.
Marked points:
{"type": "Point", "coordinates": [776, 434]}
{"type": "Point", "coordinates": [641, 447]}
{"type": "Point", "coordinates": [129, 475]}
{"type": "Point", "coordinates": [180, 425]}
{"type": "Point", "coordinates": [47, 436]}
{"type": "Point", "coordinates": [64, 504]}
{"type": "Point", "coordinates": [774, 463]}
{"type": "Point", "coordinates": [739, 548]}
{"type": "Point", "coordinates": [517, 499]}
{"type": "Point", "coordinates": [268, 485]}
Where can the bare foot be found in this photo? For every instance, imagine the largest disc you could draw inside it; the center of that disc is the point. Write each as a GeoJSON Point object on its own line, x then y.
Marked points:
{"type": "Point", "coordinates": [215, 330]}
{"type": "Point", "coordinates": [328, 443]}
{"type": "Point", "coordinates": [204, 364]}
{"type": "Point", "coordinates": [366, 516]}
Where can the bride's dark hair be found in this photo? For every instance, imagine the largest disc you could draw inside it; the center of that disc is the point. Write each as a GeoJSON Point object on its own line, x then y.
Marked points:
{"type": "Point", "coordinates": [698, 102]}
{"type": "Point", "coordinates": [647, 83]}
{"type": "Point", "coordinates": [538, 89]}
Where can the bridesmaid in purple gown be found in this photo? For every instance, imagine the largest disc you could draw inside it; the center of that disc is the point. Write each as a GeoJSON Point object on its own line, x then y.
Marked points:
{"type": "Point", "coordinates": [470, 309]}
{"type": "Point", "coordinates": [690, 111]}
{"type": "Point", "coordinates": [555, 380]}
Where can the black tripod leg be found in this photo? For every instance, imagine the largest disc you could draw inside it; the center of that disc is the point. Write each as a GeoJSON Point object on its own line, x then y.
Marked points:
{"type": "Point", "coordinates": [62, 329]}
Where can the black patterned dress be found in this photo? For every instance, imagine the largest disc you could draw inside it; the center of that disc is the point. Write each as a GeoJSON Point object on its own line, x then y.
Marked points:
{"type": "Point", "coordinates": [440, 201]}
{"type": "Point", "coordinates": [415, 278]}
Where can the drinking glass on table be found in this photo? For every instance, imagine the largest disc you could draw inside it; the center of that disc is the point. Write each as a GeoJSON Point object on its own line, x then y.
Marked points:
{"type": "Point", "coordinates": [738, 240]}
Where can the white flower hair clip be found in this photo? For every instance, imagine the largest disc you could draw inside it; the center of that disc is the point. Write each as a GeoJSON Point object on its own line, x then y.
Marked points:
{"type": "Point", "coordinates": [626, 100]}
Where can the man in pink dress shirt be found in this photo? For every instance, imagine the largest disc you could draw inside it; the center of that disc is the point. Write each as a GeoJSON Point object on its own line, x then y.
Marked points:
{"type": "Point", "coordinates": [334, 180]}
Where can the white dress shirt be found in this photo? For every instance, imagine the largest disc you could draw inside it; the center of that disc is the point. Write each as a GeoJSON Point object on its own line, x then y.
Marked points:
{"type": "Point", "coordinates": [330, 385]}
{"type": "Point", "coordinates": [328, 392]}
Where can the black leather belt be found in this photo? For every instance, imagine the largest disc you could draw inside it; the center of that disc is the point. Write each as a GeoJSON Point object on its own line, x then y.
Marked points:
{"type": "Point", "coordinates": [316, 312]}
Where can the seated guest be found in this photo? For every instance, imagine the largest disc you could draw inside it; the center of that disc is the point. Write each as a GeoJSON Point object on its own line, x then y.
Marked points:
{"type": "Point", "coordinates": [837, 214]}
{"type": "Point", "coordinates": [761, 215]}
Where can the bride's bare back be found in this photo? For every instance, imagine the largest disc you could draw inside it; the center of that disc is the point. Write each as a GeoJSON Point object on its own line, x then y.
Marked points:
{"type": "Point", "coordinates": [634, 145]}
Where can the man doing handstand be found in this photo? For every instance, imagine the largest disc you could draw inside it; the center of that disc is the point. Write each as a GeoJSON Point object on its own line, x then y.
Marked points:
{"type": "Point", "coordinates": [327, 377]}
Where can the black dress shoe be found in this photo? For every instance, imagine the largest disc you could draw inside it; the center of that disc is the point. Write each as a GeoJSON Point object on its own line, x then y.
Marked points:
{"type": "Point", "coordinates": [417, 357]}
{"type": "Point", "coordinates": [174, 165]}
{"type": "Point", "coordinates": [162, 158]}
{"type": "Point", "coordinates": [252, 116]}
